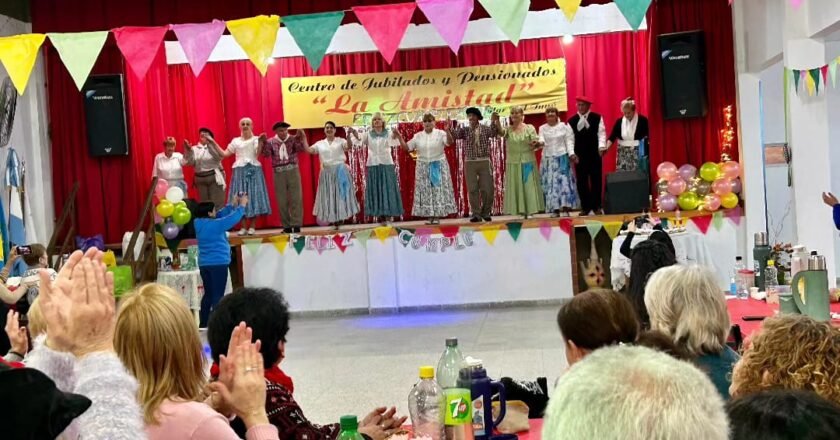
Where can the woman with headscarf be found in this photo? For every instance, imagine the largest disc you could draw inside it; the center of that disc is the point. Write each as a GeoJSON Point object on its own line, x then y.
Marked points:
{"type": "Point", "coordinates": [248, 177]}
{"type": "Point", "coordinates": [382, 193]}
{"type": "Point", "coordinates": [628, 132]}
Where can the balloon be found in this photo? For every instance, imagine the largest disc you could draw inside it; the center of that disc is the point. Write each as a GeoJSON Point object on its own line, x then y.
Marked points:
{"type": "Point", "coordinates": [722, 186]}
{"type": "Point", "coordinates": [161, 188]}
{"type": "Point", "coordinates": [677, 186]}
{"type": "Point", "coordinates": [170, 230]}
{"type": "Point", "coordinates": [710, 171]}
{"type": "Point", "coordinates": [158, 219]}
{"type": "Point", "coordinates": [165, 208]}
{"type": "Point", "coordinates": [667, 202]}
{"type": "Point", "coordinates": [711, 202]}
{"type": "Point", "coordinates": [175, 194]}
{"type": "Point", "coordinates": [731, 169]}
{"type": "Point", "coordinates": [662, 187]}
{"type": "Point", "coordinates": [688, 201]}
{"type": "Point", "coordinates": [181, 216]}
{"type": "Point", "coordinates": [736, 186]}
{"type": "Point", "coordinates": [729, 201]}
{"type": "Point", "coordinates": [702, 188]}
{"type": "Point", "coordinates": [181, 204]}
{"type": "Point", "coordinates": [666, 170]}
{"type": "Point", "coordinates": [688, 172]}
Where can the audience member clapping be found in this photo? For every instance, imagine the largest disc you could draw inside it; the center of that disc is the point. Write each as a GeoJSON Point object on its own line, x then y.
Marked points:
{"type": "Point", "coordinates": [792, 352]}
{"type": "Point", "coordinates": [686, 303]}
{"type": "Point", "coordinates": [784, 415]}
{"type": "Point", "coordinates": [19, 336]}
{"type": "Point", "coordinates": [630, 393]}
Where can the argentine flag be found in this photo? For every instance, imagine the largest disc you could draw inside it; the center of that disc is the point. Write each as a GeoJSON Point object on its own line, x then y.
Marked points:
{"type": "Point", "coordinates": [19, 212]}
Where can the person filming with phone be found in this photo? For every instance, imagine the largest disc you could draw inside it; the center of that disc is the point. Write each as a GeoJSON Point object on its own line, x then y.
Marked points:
{"type": "Point", "coordinates": [23, 290]}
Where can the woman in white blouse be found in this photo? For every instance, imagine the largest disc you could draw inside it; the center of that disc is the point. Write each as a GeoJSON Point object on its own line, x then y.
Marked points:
{"type": "Point", "coordinates": [335, 200]}
{"type": "Point", "coordinates": [433, 194]}
{"type": "Point", "coordinates": [248, 177]}
{"type": "Point", "coordinates": [382, 193]}
{"type": "Point", "coordinates": [558, 182]}
{"type": "Point", "coordinates": [169, 165]}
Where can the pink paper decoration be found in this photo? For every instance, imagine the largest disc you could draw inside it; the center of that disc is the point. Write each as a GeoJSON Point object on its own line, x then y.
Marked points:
{"type": "Point", "coordinates": [449, 17]}
{"type": "Point", "coordinates": [139, 46]}
{"type": "Point", "coordinates": [198, 41]}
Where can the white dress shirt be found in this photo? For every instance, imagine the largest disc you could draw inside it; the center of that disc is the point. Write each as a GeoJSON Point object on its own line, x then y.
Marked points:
{"type": "Point", "coordinates": [429, 146]}
{"type": "Point", "coordinates": [602, 130]}
{"type": "Point", "coordinates": [379, 148]}
{"type": "Point", "coordinates": [204, 158]}
{"type": "Point", "coordinates": [246, 151]}
{"type": "Point", "coordinates": [331, 153]}
{"type": "Point", "coordinates": [169, 168]}
{"type": "Point", "coordinates": [559, 139]}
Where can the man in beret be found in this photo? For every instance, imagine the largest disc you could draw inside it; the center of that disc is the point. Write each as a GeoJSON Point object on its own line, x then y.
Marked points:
{"type": "Point", "coordinates": [283, 149]}
{"type": "Point", "coordinates": [478, 167]}
{"type": "Point", "coordinates": [590, 146]}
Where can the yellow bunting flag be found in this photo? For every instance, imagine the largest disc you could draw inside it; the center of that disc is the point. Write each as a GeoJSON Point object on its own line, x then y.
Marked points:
{"type": "Point", "coordinates": [569, 7]}
{"type": "Point", "coordinates": [18, 54]}
{"type": "Point", "coordinates": [382, 233]}
{"type": "Point", "coordinates": [280, 243]}
{"type": "Point", "coordinates": [160, 241]}
{"type": "Point", "coordinates": [810, 84]}
{"type": "Point", "coordinates": [490, 232]}
{"type": "Point", "coordinates": [612, 229]}
{"type": "Point", "coordinates": [256, 36]}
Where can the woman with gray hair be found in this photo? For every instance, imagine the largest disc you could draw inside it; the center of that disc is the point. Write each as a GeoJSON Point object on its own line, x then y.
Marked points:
{"type": "Point", "coordinates": [629, 132]}
{"type": "Point", "coordinates": [686, 303]}
{"type": "Point", "coordinates": [382, 192]}
{"type": "Point", "coordinates": [523, 190]}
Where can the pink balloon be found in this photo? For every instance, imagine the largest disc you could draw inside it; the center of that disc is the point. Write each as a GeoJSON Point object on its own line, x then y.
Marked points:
{"type": "Point", "coordinates": [736, 186]}
{"type": "Point", "coordinates": [161, 188]}
{"type": "Point", "coordinates": [667, 202]}
{"type": "Point", "coordinates": [677, 186]}
{"type": "Point", "coordinates": [722, 186]}
{"type": "Point", "coordinates": [666, 170]}
{"type": "Point", "coordinates": [688, 172]}
{"type": "Point", "coordinates": [711, 202]}
{"type": "Point", "coordinates": [158, 218]}
{"type": "Point", "coordinates": [731, 169]}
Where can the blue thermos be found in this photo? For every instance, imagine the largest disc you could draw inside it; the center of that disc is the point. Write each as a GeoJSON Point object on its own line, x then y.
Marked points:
{"type": "Point", "coordinates": [474, 377]}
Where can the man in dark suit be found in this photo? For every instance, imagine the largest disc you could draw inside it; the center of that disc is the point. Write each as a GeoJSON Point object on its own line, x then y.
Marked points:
{"type": "Point", "coordinates": [590, 146]}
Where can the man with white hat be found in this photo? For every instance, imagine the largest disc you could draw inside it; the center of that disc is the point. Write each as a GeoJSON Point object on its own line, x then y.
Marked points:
{"type": "Point", "coordinates": [590, 146]}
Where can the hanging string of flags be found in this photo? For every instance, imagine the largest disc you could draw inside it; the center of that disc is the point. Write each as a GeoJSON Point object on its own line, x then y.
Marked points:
{"type": "Point", "coordinates": [813, 80]}
{"type": "Point", "coordinates": [385, 24]}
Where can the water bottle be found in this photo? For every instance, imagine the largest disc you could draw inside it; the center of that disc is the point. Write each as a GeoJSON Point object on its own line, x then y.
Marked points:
{"type": "Point", "coordinates": [740, 276]}
{"type": "Point", "coordinates": [425, 406]}
{"type": "Point", "coordinates": [457, 400]}
{"type": "Point", "coordinates": [350, 429]}
{"type": "Point", "coordinates": [771, 278]}
{"type": "Point", "coordinates": [450, 365]}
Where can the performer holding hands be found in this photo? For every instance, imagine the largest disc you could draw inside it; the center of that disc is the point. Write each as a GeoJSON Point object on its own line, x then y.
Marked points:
{"type": "Point", "coordinates": [248, 178]}
{"type": "Point", "coordinates": [206, 157]}
{"type": "Point", "coordinates": [478, 168]}
{"type": "Point", "coordinates": [169, 165]}
{"type": "Point", "coordinates": [628, 132]}
{"type": "Point", "coordinates": [336, 197]}
{"type": "Point", "coordinates": [558, 154]}
{"type": "Point", "coordinates": [590, 146]}
{"type": "Point", "coordinates": [434, 196]}
{"type": "Point", "coordinates": [523, 194]}
{"type": "Point", "coordinates": [283, 150]}
{"type": "Point", "coordinates": [382, 193]}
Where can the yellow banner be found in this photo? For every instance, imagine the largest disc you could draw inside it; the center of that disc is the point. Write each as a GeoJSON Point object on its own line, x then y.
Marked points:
{"type": "Point", "coordinates": [348, 100]}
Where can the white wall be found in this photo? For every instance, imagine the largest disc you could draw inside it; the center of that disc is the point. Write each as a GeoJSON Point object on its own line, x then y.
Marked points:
{"type": "Point", "coordinates": [833, 101]}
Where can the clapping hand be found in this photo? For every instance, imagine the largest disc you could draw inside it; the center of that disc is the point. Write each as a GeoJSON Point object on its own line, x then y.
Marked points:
{"type": "Point", "coordinates": [494, 117]}
{"type": "Point", "coordinates": [186, 145]}
{"type": "Point", "coordinates": [243, 369]}
{"type": "Point", "coordinates": [18, 338]}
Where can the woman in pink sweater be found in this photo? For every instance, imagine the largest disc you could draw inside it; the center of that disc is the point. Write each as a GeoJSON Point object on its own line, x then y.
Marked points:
{"type": "Point", "coordinates": [157, 339]}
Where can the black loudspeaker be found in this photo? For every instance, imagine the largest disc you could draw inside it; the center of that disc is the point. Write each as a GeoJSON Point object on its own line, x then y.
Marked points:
{"type": "Point", "coordinates": [626, 192]}
{"type": "Point", "coordinates": [105, 114]}
{"type": "Point", "coordinates": [683, 64]}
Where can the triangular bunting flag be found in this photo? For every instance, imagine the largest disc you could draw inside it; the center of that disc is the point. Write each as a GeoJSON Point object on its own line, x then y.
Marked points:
{"type": "Point", "coordinates": [280, 243]}
{"type": "Point", "coordinates": [702, 223]}
{"type": "Point", "coordinates": [321, 243]}
{"type": "Point", "coordinates": [78, 52]}
{"type": "Point", "coordinates": [514, 229]}
{"type": "Point", "coordinates": [796, 78]}
{"type": "Point", "coordinates": [795, 3]}
{"type": "Point", "coordinates": [449, 231]}
{"type": "Point", "coordinates": [569, 7]}
{"type": "Point", "coordinates": [313, 33]}
{"type": "Point", "coordinates": [424, 234]}
{"type": "Point", "coordinates": [824, 72]}
{"type": "Point", "coordinates": [383, 232]}
{"type": "Point", "coordinates": [509, 16]}
{"type": "Point", "coordinates": [18, 54]}
{"type": "Point", "coordinates": [717, 220]}
{"type": "Point", "coordinates": [566, 225]}
{"type": "Point", "coordinates": [139, 46]}
{"type": "Point", "coordinates": [545, 230]}
{"type": "Point", "coordinates": [734, 215]}
{"type": "Point", "coordinates": [386, 25]}
{"type": "Point", "coordinates": [339, 241]}
{"type": "Point", "coordinates": [299, 243]}
{"type": "Point", "coordinates": [594, 227]}
{"type": "Point", "coordinates": [405, 239]}
{"type": "Point", "coordinates": [363, 236]}
{"type": "Point", "coordinates": [634, 11]}
{"type": "Point", "coordinates": [257, 36]}
{"type": "Point", "coordinates": [490, 232]}
{"type": "Point", "coordinates": [612, 229]}
{"type": "Point", "coordinates": [815, 75]}
{"type": "Point", "coordinates": [809, 82]}
{"type": "Point", "coordinates": [252, 244]}
{"type": "Point", "coordinates": [198, 41]}
{"type": "Point", "coordinates": [832, 70]}
{"type": "Point", "coordinates": [449, 17]}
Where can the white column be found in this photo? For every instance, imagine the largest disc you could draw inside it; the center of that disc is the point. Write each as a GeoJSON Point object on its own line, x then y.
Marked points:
{"type": "Point", "coordinates": [751, 154]}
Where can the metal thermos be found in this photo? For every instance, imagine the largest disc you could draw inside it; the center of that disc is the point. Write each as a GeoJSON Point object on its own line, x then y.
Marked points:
{"type": "Point", "coordinates": [761, 253]}
{"type": "Point", "coordinates": [816, 262]}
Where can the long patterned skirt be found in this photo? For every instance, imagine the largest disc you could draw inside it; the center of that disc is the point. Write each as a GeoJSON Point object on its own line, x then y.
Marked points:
{"type": "Point", "coordinates": [382, 194]}
{"type": "Point", "coordinates": [433, 193]}
{"type": "Point", "coordinates": [559, 184]}
{"type": "Point", "coordinates": [523, 193]}
{"type": "Point", "coordinates": [250, 180]}
{"type": "Point", "coordinates": [336, 197]}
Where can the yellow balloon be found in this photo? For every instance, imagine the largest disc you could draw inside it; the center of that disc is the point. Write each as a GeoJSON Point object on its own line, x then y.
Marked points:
{"type": "Point", "coordinates": [165, 208]}
{"type": "Point", "coordinates": [729, 201]}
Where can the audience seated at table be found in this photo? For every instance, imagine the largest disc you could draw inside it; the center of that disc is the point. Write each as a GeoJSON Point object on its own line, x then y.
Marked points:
{"type": "Point", "coordinates": [783, 414]}
{"type": "Point", "coordinates": [686, 303]}
{"type": "Point", "coordinates": [792, 352]}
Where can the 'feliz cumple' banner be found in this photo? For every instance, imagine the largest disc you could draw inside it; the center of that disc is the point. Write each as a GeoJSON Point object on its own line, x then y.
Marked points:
{"type": "Point", "coordinates": [342, 98]}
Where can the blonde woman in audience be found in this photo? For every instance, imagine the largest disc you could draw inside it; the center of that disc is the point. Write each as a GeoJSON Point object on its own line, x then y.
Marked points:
{"type": "Point", "coordinates": [686, 303]}
{"type": "Point", "coordinates": [157, 339]}
{"type": "Point", "coordinates": [793, 352]}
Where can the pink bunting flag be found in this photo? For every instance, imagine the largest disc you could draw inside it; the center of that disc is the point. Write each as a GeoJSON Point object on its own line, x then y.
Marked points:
{"type": "Point", "coordinates": [198, 41]}
{"type": "Point", "coordinates": [734, 215]}
{"type": "Point", "coordinates": [139, 46]}
{"type": "Point", "coordinates": [386, 25]}
{"type": "Point", "coordinates": [702, 223]}
{"type": "Point", "coordinates": [449, 17]}
{"type": "Point", "coordinates": [796, 3]}
{"type": "Point", "coordinates": [424, 234]}
{"type": "Point", "coordinates": [545, 230]}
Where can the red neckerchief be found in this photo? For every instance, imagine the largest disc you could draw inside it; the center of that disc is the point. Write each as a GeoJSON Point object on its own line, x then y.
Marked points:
{"type": "Point", "coordinates": [275, 375]}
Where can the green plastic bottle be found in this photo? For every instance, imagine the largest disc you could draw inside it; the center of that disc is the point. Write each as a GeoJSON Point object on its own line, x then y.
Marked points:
{"type": "Point", "coordinates": [350, 429]}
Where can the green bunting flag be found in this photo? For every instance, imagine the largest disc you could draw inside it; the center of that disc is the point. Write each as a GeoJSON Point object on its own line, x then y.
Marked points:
{"type": "Point", "coordinates": [634, 11]}
{"type": "Point", "coordinates": [252, 244]}
{"type": "Point", "coordinates": [594, 227]}
{"type": "Point", "coordinates": [815, 75]}
{"type": "Point", "coordinates": [78, 52]}
{"type": "Point", "coordinates": [404, 236]}
{"type": "Point", "coordinates": [717, 220]}
{"type": "Point", "coordinates": [363, 236]}
{"type": "Point", "coordinates": [313, 33]}
{"type": "Point", "coordinates": [299, 244]}
{"type": "Point", "coordinates": [509, 15]}
{"type": "Point", "coordinates": [514, 229]}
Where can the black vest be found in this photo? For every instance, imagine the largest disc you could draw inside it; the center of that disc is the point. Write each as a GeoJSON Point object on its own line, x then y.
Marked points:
{"type": "Point", "coordinates": [586, 141]}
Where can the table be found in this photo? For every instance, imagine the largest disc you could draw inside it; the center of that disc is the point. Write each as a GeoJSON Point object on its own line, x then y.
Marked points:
{"type": "Point", "coordinates": [739, 308]}
{"type": "Point", "coordinates": [188, 284]}
{"type": "Point", "coordinates": [690, 247]}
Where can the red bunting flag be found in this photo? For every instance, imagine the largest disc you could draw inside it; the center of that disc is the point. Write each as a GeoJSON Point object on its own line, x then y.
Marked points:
{"type": "Point", "coordinates": [824, 71]}
{"type": "Point", "coordinates": [339, 242]}
{"type": "Point", "coordinates": [702, 223]}
{"type": "Point", "coordinates": [139, 46]}
{"type": "Point", "coordinates": [386, 25]}
{"type": "Point", "coordinates": [566, 225]}
{"type": "Point", "coordinates": [450, 231]}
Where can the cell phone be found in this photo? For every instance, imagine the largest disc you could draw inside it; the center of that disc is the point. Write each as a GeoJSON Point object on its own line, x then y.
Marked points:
{"type": "Point", "coordinates": [24, 250]}
{"type": "Point", "coordinates": [753, 318]}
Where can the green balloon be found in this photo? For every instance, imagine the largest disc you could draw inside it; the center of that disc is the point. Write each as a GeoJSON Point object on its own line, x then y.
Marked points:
{"type": "Point", "coordinates": [710, 171]}
{"type": "Point", "coordinates": [181, 204]}
{"type": "Point", "coordinates": [181, 216]}
{"type": "Point", "coordinates": [688, 201]}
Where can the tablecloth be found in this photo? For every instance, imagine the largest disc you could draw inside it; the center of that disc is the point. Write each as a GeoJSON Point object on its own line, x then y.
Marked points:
{"type": "Point", "coordinates": [690, 246]}
{"type": "Point", "coordinates": [739, 308]}
{"type": "Point", "coordinates": [187, 283]}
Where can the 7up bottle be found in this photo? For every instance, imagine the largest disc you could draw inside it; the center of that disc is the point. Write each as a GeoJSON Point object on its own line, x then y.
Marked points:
{"type": "Point", "coordinates": [457, 419]}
